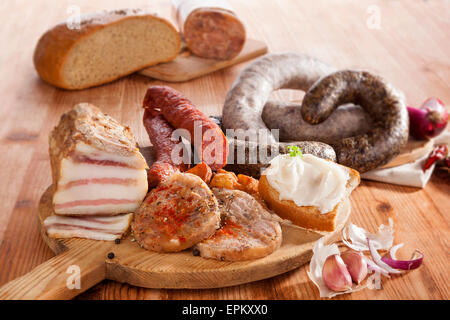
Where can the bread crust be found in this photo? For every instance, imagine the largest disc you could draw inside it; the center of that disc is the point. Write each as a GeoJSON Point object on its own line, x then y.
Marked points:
{"type": "Point", "coordinates": [308, 217]}
{"type": "Point", "coordinates": [55, 45]}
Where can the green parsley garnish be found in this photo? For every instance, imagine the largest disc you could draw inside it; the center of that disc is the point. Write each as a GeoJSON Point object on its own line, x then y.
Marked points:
{"type": "Point", "coordinates": [295, 151]}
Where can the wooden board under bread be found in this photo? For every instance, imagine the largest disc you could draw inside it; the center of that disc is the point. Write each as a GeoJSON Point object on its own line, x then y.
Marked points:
{"type": "Point", "coordinates": [137, 266]}
{"type": "Point", "coordinates": [188, 66]}
{"type": "Point", "coordinates": [412, 151]}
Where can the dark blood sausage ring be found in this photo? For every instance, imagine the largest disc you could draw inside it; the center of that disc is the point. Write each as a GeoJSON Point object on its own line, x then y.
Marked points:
{"type": "Point", "coordinates": [245, 100]}
{"type": "Point", "coordinates": [325, 91]}
{"type": "Point", "coordinates": [180, 113]}
{"type": "Point", "coordinates": [346, 121]}
{"type": "Point", "coordinates": [254, 168]}
{"type": "Point", "coordinates": [381, 101]}
{"type": "Point", "coordinates": [160, 134]}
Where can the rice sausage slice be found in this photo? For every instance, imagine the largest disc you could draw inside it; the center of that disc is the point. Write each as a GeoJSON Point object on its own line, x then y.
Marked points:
{"type": "Point", "coordinates": [248, 230]}
{"type": "Point", "coordinates": [179, 213]}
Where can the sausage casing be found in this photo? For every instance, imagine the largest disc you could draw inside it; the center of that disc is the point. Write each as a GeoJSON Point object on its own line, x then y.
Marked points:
{"type": "Point", "coordinates": [246, 157]}
{"type": "Point", "coordinates": [346, 121]}
{"type": "Point", "coordinates": [182, 114]}
{"type": "Point", "coordinates": [160, 134]}
{"type": "Point", "coordinates": [379, 99]}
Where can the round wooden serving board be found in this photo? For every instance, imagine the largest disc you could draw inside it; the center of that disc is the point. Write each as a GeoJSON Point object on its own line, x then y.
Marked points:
{"type": "Point", "coordinates": [139, 267]}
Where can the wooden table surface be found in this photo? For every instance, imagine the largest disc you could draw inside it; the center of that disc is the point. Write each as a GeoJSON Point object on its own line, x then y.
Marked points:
{"type": "Point", "coordinates": [410, 46]}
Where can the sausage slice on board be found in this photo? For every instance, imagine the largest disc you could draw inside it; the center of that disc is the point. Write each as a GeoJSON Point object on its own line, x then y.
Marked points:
{"type": "Point", "coordinates": [248, 231]}
{"type": "Point", "coordinates": [179, 213]}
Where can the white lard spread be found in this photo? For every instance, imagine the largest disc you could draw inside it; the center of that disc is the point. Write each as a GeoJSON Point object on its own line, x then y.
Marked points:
{"type": "Point", "coordinates": [308, 181]}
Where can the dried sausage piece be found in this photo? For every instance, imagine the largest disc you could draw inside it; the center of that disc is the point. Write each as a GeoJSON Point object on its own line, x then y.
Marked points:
{"type": "Point", "coordinates": [203, 171]}
{"type": "Point", "coordinates": [160, 134]}
{"type": "Point", "coordinates": [182, 114]}
{"type": "Point", "coordinates": [210, 28]}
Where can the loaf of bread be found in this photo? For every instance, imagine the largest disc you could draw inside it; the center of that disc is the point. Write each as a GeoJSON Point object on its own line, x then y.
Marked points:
{"type": "Point", "coordinates": [103, 47]}
{"type": "Point", "coordinates": [308, 217]}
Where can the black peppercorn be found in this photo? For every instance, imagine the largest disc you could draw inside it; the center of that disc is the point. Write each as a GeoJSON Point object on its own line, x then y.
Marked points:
{"type": "Point", "coordinates": [195, 252]}
{"type": "Point", "coordinates": [111, 255]}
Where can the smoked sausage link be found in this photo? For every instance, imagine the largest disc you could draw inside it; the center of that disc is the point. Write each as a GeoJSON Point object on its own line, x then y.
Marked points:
{"type": "Point", "coordinates": [182, 114]}
{"type": "Point", "coordinates": [160, 134]}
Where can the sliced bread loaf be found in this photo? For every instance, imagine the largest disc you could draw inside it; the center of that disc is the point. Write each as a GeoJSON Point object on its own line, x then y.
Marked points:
{"type": "Point", "coordinates": [105, 46]}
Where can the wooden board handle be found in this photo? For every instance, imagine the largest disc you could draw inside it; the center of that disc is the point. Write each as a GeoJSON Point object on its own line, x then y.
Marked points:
{"type": "Point", "coordinates": [62, 277]}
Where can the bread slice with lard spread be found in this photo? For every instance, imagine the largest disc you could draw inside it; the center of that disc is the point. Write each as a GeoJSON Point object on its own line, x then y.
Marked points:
{"type": "Point", "coordinates": [320, 213]}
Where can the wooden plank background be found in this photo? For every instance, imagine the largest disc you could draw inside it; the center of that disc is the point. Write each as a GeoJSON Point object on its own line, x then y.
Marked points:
{"type": "Point", "coordinates": [411, 48]}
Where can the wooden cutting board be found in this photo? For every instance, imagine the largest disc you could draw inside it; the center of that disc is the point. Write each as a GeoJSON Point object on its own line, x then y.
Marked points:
{"type": "Point", "coordinates": [188, 66]}
{"type": "Point", "coordinates": [139, 267]}
{"type": "Point", "coordinates": [412, 151]}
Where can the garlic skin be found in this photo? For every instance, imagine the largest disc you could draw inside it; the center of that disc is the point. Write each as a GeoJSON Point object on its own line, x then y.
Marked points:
{"type": "Point", "coordinates": [358, 236]}
{"type": "Point", "coordinates": [335, 274]}
{"type": "Point", "coordinates": [356, 265]}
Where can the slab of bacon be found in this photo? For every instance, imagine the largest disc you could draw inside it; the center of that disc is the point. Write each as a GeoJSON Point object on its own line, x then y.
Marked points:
{"type": "Point", "coordinates": [97, 168]}
{"type": "Point", "coordinates": [96, 228]}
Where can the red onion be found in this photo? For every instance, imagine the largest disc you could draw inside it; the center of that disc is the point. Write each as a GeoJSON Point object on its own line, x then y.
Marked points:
{"type": "Point", "coordinates": [378, 260]}
{"type": "Point", "coordinates": [429, 120]}
{"type": "Point", "coordinates": [414, 263]}
{"type": "Point", "coordinates": [372, 266]}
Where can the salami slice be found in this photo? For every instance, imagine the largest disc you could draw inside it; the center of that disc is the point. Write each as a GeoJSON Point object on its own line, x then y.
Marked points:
{"type": "Point", "coordinates": [210, 28]}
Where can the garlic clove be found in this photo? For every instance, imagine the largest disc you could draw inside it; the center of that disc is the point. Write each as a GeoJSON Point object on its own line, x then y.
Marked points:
{"type": "Point", "coordinates": [335, 274]}
{"type": "Point", "coordinates": [356, 265]}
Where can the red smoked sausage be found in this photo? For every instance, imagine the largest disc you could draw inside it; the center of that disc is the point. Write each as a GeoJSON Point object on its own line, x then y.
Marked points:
{"type": "Point", "coordinates": [160, 134]}
{"type": "Point", "coordinates": [182, 114]}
